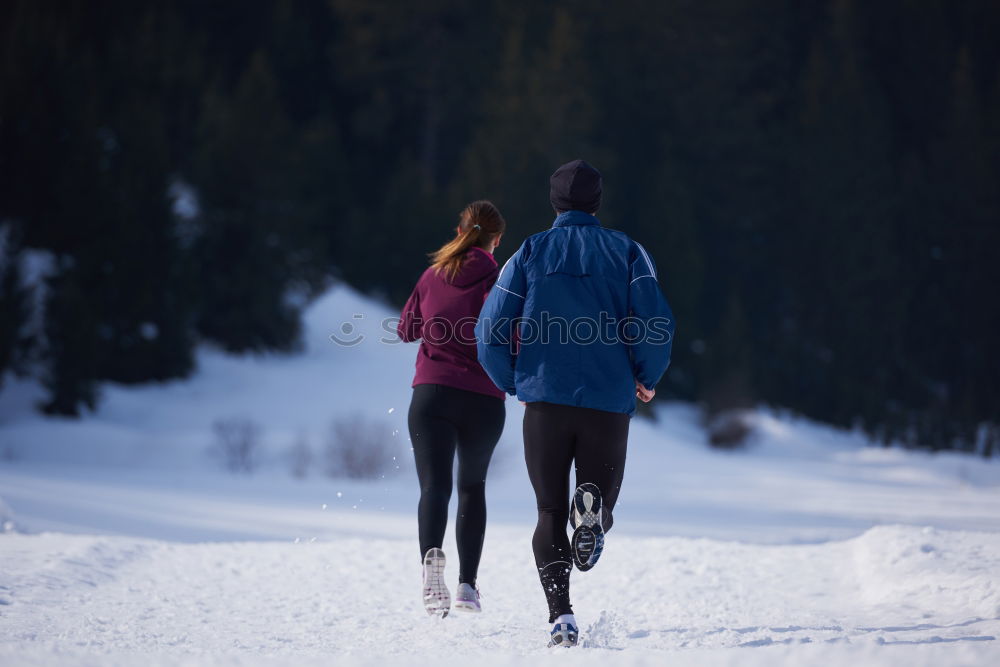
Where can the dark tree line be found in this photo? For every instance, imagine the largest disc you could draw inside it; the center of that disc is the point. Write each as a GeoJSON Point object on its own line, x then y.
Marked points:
{"type": "Point", "coordinates": [819, 181]}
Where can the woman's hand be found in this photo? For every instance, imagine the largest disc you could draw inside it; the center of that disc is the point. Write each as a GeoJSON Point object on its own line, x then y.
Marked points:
{"type": "Point", "coordinates": [643, 394]}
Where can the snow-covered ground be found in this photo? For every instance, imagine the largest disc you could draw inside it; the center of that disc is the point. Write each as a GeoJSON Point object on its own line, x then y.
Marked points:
{"type": "Point", "coordinates": [133, 545]}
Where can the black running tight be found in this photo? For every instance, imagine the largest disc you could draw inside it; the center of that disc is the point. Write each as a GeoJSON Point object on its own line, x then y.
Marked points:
{"type": "Point", "coordinates": [444, 420]}
{"type": "Point", "coordinates": [555, 438]}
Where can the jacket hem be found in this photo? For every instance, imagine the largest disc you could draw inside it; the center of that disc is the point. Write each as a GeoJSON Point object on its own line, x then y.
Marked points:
{"type": "Point", "coordinates": [448, 382]}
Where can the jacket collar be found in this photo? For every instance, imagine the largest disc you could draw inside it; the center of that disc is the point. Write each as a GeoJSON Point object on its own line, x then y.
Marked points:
{"type": "Point", "coordinates": [488, 255]}
{"type": "Point", "coordinates": [575, 218]}
{"type": "Point", "coordinates": [478, 264]}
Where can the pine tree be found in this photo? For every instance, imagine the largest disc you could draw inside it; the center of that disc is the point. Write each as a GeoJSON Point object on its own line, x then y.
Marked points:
{"type": "Point", "coordinates": [74, 345]}
{"type": "Point", "coordinates": [15, 306]}
{"type": "Point", "coordinates": [250, 220]}
{"type": "Point", "coordinates": [847, 299]}
{"type": "Point", "coordinates": [959, 278]}
{"type": "Point", "coordinates": [538, 114]}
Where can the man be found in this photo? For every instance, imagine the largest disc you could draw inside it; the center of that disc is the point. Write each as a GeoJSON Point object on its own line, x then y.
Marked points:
{"type": "Point", "coordinates": [577, 328]}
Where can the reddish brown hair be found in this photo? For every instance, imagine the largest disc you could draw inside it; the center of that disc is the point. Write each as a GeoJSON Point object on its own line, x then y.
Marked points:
{"type": "Point", "coordinates": [479, 224]}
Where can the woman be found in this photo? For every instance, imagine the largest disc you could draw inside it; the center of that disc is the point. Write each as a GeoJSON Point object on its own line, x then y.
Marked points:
{"type": "Point", "coordinates": [455, 405]}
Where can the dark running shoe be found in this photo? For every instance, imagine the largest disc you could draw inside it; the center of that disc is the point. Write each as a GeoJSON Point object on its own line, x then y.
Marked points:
{"type": "Point", "coordinates": [588, 538]}
{"type": "Point", "coordinates": [564, 634]}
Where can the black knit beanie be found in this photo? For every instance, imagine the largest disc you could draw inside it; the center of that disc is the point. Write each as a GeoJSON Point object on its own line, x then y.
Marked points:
{"type": "Point", "coordinates": [575, 186]}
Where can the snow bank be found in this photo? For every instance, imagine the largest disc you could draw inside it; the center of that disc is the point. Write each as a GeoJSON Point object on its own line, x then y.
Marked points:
{"type": "Point", "coordinates": [141, 466]}
{"type": "Point", "coordinates": [884, 597]}
{"type": "Point", "coordinates": [170, 424]}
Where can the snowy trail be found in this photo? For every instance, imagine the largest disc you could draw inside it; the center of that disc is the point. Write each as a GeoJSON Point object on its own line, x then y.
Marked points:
{"type": "Point", "coordinates": [883, 597]}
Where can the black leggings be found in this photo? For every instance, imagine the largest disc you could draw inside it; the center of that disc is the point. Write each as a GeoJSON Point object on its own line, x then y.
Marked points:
{"type": "Point", "coordinates": [443, 419]}
{"type": "Point", "coordinates": [556, 437]}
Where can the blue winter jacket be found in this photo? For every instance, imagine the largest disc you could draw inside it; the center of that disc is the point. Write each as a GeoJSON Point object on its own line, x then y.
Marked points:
{"type": "Point", "coordinates": [576, 317]}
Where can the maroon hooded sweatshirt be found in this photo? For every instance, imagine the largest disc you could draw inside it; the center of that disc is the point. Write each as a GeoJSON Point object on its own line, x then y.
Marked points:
{"type": "Point", "coordinates": [443, 313]}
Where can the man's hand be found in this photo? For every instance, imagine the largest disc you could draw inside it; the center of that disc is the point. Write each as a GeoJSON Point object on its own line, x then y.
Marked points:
{"type": "Point", "coordinates": [643, 394]}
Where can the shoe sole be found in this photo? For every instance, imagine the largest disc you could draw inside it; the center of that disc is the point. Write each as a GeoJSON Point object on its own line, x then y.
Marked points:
{"type": "Point", "coordinates": [564, 638]}
{"type": "Point", "coordinates": [587, 542]}
{"type": "Point", "coordinates": [437, 599]}
{"type": "Point", "coordinates": [467, 607]}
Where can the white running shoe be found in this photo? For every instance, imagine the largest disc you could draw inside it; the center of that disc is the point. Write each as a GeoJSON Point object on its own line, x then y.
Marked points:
{"type": "Point", "coordinates": [467, 599]}
{"type": "Point", "coordinates": [564, 632]}
{"type": "Point", "coordinates": [437, 599]}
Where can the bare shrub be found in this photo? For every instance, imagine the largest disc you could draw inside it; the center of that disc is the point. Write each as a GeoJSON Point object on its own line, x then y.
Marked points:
{"type": "Point", "coordinates": [988, 440]}
{"type": "Point", "coordinates": [728, 417]}
{"type": "Point", "coordinates": [300, 457]}
{"type": "Point", "coordinates": [730, 429]}
{"type": "Point", "coordinates": [360, 448]}
{"type": "Point", "coordinates": [7, 524]}
{"type": "Point", "coordinates": [237, 440]}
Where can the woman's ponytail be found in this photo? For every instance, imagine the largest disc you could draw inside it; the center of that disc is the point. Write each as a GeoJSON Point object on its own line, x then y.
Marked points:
{"type": "Point", "coordinates": [479, 224]}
